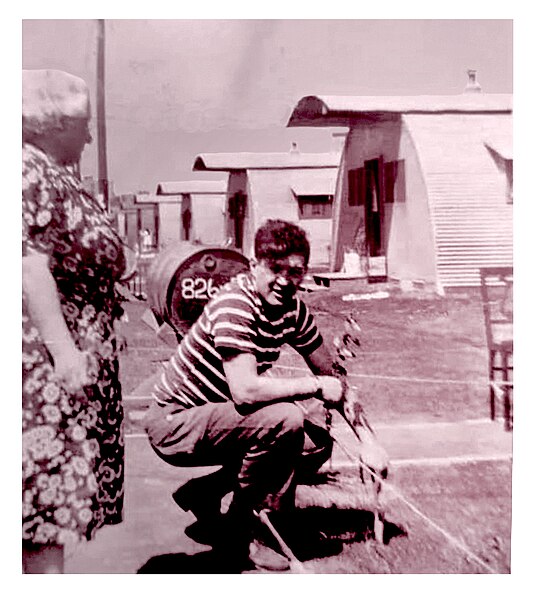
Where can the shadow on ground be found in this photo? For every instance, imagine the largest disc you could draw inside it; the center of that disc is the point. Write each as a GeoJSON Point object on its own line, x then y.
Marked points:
{"type": "Point", "coordinates": [211, 562]}
{"type": "Point", "coordinates": [311, 533]}
{"type": "Point", "coordinates": [317, 532]}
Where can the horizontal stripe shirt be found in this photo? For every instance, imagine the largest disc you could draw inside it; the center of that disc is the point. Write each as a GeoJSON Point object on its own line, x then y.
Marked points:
{"type": "Point", "coordinates": [233, 321]}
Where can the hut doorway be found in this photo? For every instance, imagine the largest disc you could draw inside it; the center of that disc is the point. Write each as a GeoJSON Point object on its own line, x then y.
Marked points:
{"type": "Point", "coordinates": [237, 212]}
{"type": "Point", "coordinates": [186, 217]}
{"type": "Point", "coordinates": [374, 206]}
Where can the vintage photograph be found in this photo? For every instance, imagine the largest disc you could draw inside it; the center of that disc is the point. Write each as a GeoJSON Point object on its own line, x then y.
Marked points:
{"type": "Point", "coordinates": [267, 296]}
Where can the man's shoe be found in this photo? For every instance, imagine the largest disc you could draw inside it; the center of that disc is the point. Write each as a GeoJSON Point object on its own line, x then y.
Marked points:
{"type": "Point", "coordinates": [207, 531]}
{"type": "Point", "coordinates": [264, 557]}
{"type": "Point", "coordinates": [197, 497]}
{"type": "Point", "coordinates": [255, 556]}
{"type": "Point", "coordinates": [222, 531]}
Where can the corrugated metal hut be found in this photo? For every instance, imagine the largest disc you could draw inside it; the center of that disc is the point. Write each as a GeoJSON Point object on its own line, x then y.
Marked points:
{"type": "Point", "coordinates": [298, 187]}
{"type": "Point", "coordinates": [425, 182]}
{"type": "Point", "coordinates": [191, 211]}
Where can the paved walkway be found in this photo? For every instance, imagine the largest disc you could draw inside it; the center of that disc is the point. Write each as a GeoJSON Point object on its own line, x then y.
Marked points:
{"type": "Point", "coordinates": [152, 538]}
{"type": "Point", "coordinates": [413, 443]}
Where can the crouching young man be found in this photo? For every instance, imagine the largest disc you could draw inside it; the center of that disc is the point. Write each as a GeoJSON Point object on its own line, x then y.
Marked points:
{"type": "Point", "coordinates": [214, 404]}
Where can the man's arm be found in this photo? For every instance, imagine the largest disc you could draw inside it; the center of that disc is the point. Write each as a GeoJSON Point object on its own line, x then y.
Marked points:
{"type": "Point", "coordinates": [249, 388]}
{"type": "Point", "coordinates": [321, 362]}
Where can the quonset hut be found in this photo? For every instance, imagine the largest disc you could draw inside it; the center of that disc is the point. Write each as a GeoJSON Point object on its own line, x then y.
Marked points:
{"type": "Point", "coordinates": [424, 183]}
{"type": "Point", "coordinates": [191, 211]}
{"type": "Point", "coordinates": [298, 187]}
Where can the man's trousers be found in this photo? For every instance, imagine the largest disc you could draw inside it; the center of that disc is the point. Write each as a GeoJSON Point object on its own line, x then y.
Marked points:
{"type": "Point", "coordinates": [268, 449]}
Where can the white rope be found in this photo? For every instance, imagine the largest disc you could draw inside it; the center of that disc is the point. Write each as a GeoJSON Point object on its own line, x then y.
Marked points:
{"type": "Point", "coordinates": [406, 379]}
{"type": "Point", "coordinates": [448, 536]}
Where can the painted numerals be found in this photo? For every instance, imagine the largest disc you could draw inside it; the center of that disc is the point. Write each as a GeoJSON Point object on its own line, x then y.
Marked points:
{"type": "Point", "coordinates": [197, 288]}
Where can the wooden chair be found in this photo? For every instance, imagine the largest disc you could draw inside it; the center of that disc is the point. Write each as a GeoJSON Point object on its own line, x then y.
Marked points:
{"type": "Point", "coordinates": [497, 298]}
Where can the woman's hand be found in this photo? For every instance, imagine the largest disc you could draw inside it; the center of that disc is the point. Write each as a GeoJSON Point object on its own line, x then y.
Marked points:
{"type": "Point", "coordinates": [73, 368]}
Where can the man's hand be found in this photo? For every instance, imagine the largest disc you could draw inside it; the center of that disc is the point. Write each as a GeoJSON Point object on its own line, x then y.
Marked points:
{"type": "Point", "coordinates": [331, 390]}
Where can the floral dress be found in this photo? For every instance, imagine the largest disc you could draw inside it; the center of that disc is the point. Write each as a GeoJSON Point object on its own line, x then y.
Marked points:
{"type": "Point", "coordinates": [72, 445]}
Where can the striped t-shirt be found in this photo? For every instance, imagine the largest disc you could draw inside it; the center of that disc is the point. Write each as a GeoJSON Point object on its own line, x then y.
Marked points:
{"type": "Point", "coordinates": [233, 321]}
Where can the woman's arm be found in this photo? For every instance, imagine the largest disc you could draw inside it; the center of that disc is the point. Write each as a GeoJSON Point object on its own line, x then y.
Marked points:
{"type": "Point", "coordinates": [70, 364]}
{"type": "Point", "coordinates": [247, 387]}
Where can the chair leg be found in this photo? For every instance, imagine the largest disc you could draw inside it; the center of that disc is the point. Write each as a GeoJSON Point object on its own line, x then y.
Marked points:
{"type": "Point", "coordinates": [492, 397]}
{"type": "Point", "coordinates": [506, 393]}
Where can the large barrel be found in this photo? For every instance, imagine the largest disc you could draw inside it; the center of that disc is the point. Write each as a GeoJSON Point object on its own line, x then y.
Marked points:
{"type": "Point", "coordinates": [182, 279]}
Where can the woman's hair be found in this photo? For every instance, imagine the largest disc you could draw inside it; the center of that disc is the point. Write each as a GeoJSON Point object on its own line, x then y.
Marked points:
{"type": "Point", "coordinates": [33, 129]}
{"type": "Point", "coordinates": [50, 100]}
{"type": "Point", "coordinates": [277, 239]}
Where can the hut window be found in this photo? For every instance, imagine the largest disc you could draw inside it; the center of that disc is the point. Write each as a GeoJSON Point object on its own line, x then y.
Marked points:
{"type": "Point", "coordinates": [356, 189]}
{"type": "Point", "coordinates": [395, 181]}
{"type": "Point", "coordinates": [315, 207]}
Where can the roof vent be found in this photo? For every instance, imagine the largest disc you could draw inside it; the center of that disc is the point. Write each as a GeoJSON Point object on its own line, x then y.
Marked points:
{"type": "Point", "coordinates": [472, 86]}
{"type": "Point", "coordinates": [294, 148]}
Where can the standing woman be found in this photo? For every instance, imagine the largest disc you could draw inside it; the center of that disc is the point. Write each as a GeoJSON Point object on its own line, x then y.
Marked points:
{"type": "Point", "coordinates": [72, 441]}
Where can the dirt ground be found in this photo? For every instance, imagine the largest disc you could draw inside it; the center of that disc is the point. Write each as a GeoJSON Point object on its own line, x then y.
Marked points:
{"type": "Point", "coordinates": [421, 360]}
{"type": "Point", "coordinates": [469, 502]}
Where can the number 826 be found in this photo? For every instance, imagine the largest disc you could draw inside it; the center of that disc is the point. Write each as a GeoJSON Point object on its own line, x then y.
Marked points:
{"type": "Point", "coordinates": [198, 288]}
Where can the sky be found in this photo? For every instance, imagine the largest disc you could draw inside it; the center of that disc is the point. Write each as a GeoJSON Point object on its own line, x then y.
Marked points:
{"type": "Point", "coordinates": [178, 88]}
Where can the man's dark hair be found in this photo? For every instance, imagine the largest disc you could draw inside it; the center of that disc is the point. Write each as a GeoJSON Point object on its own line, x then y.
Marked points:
{"type": "Point", "coordinates": [277, 239]}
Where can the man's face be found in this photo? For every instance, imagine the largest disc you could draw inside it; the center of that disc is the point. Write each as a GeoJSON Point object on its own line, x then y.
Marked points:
{"type": "Point", "coordinates": [277, 280]}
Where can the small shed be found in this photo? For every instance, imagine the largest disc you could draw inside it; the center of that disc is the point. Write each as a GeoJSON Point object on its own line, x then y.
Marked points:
{"type": "Point", "coordinates": [191, 211]}
{"type": "Point", "coordinates": [297, 187]}
{"type": "Point", "coordinates": [424, 183]}
{"type": "Point", "coordinates": [136, 219]}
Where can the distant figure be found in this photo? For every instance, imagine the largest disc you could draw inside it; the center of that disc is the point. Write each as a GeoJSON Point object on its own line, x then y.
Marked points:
{"type": "Point", "coordinates": [72, 441]}
{"type": "Point", "coordinates": [146, 240]}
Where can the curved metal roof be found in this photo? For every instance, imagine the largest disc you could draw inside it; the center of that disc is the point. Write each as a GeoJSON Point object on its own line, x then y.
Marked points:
{"type": "Point", "coordinates": [240, 161]}
{"type": "Point", "coordinates": [341, 110]}
{"type": "Point", "coordinates": [172, 188]}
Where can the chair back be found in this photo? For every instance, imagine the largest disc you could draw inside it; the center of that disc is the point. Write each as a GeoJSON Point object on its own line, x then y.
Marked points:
{"type": "Point", "coordinates": [497, 299]}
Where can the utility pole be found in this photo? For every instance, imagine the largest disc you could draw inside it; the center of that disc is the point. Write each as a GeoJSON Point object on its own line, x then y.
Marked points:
{"type": "Point", "coordinates": [103, 183]}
